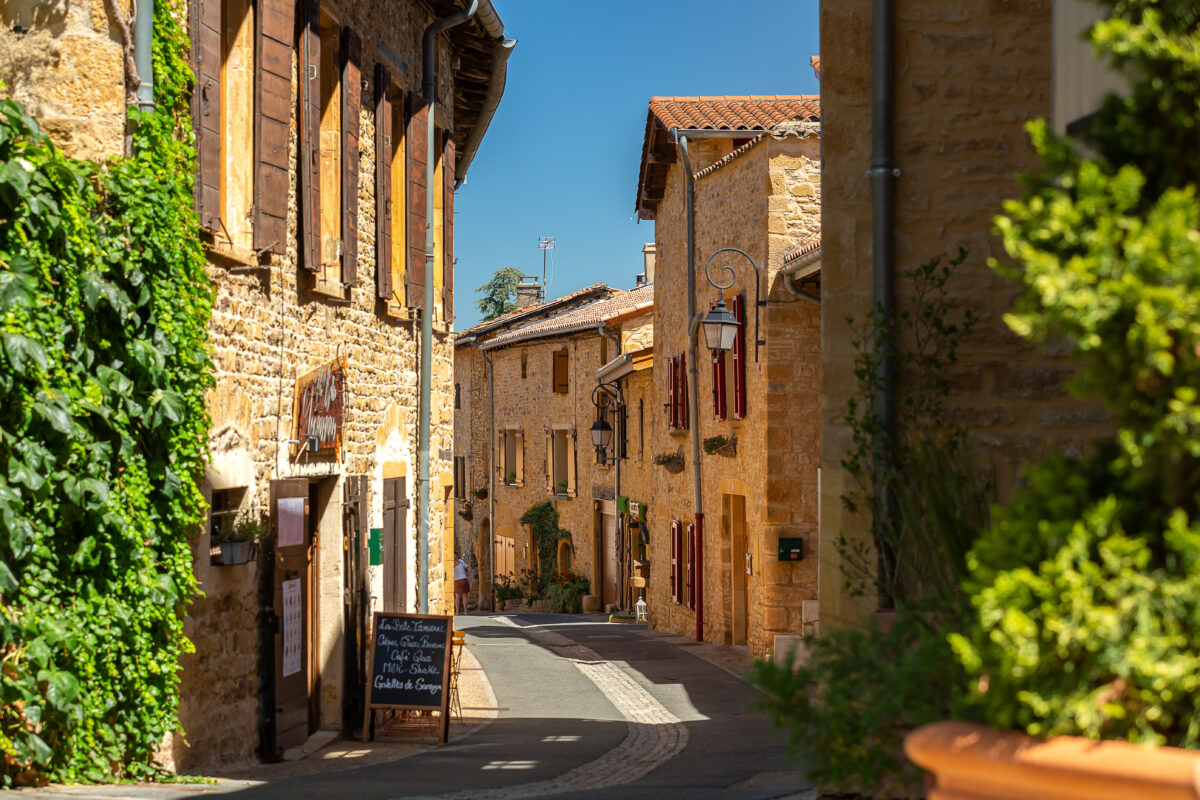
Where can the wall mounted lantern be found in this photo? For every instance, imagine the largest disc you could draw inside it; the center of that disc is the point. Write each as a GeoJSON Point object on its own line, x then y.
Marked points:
{"type": "Point", "coordinates": [602, 432]}
{"type": "Point", "coordinates": [720, 326]}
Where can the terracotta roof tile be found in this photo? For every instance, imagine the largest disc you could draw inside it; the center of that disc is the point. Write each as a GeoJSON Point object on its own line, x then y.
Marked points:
{"type": "Point", "coordinates": [581, 318]}
{"type": "Point", "coordinates": [734, 112]}
{"type": "Point", "coordinates": [513, 317]}
{"type": "Point", "coordinates": [802, 250]}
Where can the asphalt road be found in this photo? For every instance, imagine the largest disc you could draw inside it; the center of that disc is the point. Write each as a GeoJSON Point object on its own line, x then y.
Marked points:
{"type": "Point", "coordinates": [587, 710]}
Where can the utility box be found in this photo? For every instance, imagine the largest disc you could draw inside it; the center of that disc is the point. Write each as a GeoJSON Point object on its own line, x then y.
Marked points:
{"type": "Point", "coordinates": [791, 548]}
{"type": "Point", "coordinates": [375, 546]}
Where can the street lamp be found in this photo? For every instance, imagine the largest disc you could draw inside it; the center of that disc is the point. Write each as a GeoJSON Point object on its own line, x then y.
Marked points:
{"type": "Point", "coordinates": [602, 432]}
{"type": "Point", "coordinates": [720, 326]}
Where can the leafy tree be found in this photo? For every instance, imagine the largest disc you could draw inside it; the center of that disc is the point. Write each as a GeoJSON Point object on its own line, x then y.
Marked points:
{"type": "Point", "coordinates": [1086, 590]}
{"type": "Point", "coordinates": [500, 293]}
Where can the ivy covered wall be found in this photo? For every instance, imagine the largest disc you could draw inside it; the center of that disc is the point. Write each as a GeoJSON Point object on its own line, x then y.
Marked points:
{"type": "Point", "coordinates": [104, 306]}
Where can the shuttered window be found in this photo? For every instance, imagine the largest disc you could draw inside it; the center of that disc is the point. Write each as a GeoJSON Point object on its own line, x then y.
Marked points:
{"type": "Point", "coordinates": [560, 372]}
{"type": "Point", "coordinates": [560, 462]}
{"type": "Point", "coordinates": [309, 165]}
{"type": "Point", "coordinates": [680, 393]}
{"type": "Point", "coordinates": [208, 23]}
{"type": "Point", "coordinates": [676, 561]}
{"type": "Point", "coordinates": [448, 155]}
{"type": "Point", "coordinates": [273, 114]}
{"type": "Point", "coordinates": [383, 182]}
{"type": "Point", "coordinates": [718, 382]}
{"type": "Point", "coordinates": [416, 153]}
{"type": "Point", "coordinates": [739, 359]}
{"type": "Point", "coordinates": [350, 112]}
{"type": "Point", "coordinates": [690, 544]}
{"type": "Point", "coordinates": [672, 394]}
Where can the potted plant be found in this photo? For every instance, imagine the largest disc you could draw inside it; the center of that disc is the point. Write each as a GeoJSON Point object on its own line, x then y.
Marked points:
{"type": "Point", "coordinates": [512, 478]}
{"type": "Point", "coordinates": [562, 487]}
{"type": "Point", "coordinates": [481, 494]}
{"type": "Point", "coordinates": [720, 445]}
{"type": "Point", "coordinates": [239, 542]}
{"type": "Point", "coordinates": [671, 462]}
{"type": "Point", "coordinates": [466, 512]}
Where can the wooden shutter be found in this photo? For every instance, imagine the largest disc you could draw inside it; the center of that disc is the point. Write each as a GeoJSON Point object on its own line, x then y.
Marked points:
{"type": "Point", "coordinates": [739, 359]}
{"type": "Point", "coordinates": [560, 372]}
{"type": "Point", "coordinates": [550, 462]}
{"type": "Point", "coordinates": [519, 457]}
{"type": "Point", "coordinates": [571, 463]}
{"type": "Point", "coordinates": [672, 391]}
{"type": "Point", "coordinates": [309, 158]}
{"type": "Point", "coordinates": [502, 457]}
{"type": "Point", "coordinates": [351, 110]}
{"type": "Point", "coordinates": [691, 566]}
{"type": "Point", "coordinates": [383, 182]}
{"type": "Point", "coordinates": [448, 229]}
{"type": "Point", "coordinates": [417, 146]}
{"type": "Point", "coordinates": [206, 111]}
{"type": "Point", "coordinates": [275, 29]}
{"type": "Point", "coordinates": [718, 381]}
{"type": "Point", "coordinates": [676, 582]}
{"type": "Point", "coordinates": [684, 408]}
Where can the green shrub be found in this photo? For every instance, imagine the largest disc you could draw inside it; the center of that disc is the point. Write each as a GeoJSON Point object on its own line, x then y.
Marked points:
{"type": "Point", "coordinates": [1086, 591]}
{"type": "Point", "coordinates": [506, 588]}
{"type": "Point", "coordinates": [565, 591]}
{"type": "Point", "coordinates": [846, 711]}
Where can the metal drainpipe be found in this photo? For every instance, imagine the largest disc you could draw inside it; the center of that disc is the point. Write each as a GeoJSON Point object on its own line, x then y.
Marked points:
{"type": "Point", "coordinates": [429, 84]}
{"type": "Point", "coordinates": [143, 41]}
{"type": "Point", "coordinates": [693, 403]}
{"type": "Point", "coordinates": [883, 173]}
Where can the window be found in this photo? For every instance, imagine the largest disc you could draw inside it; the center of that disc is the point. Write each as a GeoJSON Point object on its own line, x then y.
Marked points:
{"type": "Point", "coordinates": [242, 109]}
{"type": "Point", "coordinates": [641, 429]}
{"type": "Point", "coordinates": [510, 457]}
{"type": "Point", "coordinates": [676, 561]}
{"type": "Point", "coordinates": [460, 477]}
{"type": "Point", "coordinates": [524, 365]}
{"type": "Point", "coordinates": [222, 516]}
{"type": "Point", "coordinates": [738, 377]}
{"type": "Point", "coordinates": [330, 107]}
{"type": "Point", "coordinates": [677, 392]}
{"type": "Point", "coordinates": [391, 192]}
{"type": "Point", "coordinates": [560, 462]}
{"type": "Point", "coordinates": [559, 374]}
{"type": "Point", "coordinates": [1079, 81]}
{"type": "Point", "coordinates": [457, 395]}
{"type": "Point", "coordinates": [718, 382]}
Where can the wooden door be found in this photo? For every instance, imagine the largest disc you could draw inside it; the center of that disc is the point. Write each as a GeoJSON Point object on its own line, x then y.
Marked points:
{"type": "Point", "coordinates": [292, 592]}
{"type": "Point", "coordinates": [610, 576]}
{"type": "Point", "coordinates": [738, 567]}
{"type": "Point", "coordinates": [354, 532]}
{"type": "Point", "coordinates": [395, 544]}
{"type": "Point", "coordinates": [506, 550]}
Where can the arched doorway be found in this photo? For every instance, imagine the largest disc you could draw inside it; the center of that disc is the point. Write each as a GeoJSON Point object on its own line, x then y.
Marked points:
{"type": "Point", "coordinates": [564, 556]}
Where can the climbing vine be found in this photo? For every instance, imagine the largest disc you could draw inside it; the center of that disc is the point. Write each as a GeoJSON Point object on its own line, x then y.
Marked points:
{"type": "Point", "coordinates": [104, 306]}
{"type": "Point", "coordinates": [542, 520]}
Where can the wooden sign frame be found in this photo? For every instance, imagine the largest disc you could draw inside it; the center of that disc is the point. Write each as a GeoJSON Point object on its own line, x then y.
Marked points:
{"type": "Point", "coordinates": [443, 707]}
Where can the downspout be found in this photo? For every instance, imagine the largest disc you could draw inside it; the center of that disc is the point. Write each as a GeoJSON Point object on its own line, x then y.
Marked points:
{"type": "Point", "coordinates": [789, 276]}
{"type": "Point", "coordinates": [429, 85]}
{"type": "Point", "coordinates": [883, 173]}
{"type": "Point", "coordinates": [491, 470]}
{"type": "Point", "coordinates": [143, 41]}
{"type": "Point", "coordinates": [693, 404]}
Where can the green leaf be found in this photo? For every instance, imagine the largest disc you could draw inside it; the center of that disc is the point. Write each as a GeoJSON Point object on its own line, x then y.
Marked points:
{"type": "Point", "coordinates": [8, 581]}
{"type": "Point", "coordinates": [55, 415]}
{"type": "Point", "coordinates": [20, 349]}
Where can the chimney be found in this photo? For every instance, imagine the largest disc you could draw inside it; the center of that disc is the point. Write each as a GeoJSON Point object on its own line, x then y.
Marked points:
{"type": "Point", "coordinates": [648, 251]}
{"type": "Point", "coordinates": [529, 292]}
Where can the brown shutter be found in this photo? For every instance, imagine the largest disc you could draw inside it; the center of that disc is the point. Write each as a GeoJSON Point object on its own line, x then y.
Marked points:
{"type": "Point", "coordinates": [550, 462]}
{"type": "Point", "coordinates": [206, 111]}
{"type": "Point", "coordinates": [519, 457]}
{"type": "Point", "coordinates": [309, 159]}
{"type": "Point", "coordinates": [383, 182]}
{"type": "Point", "coordinates": [561, 371]}
{"type": "Point", "coordinates": [272, 122]}
{"type": "Point", "coordinates": [351, 110]}
{"type": "Point", "coordinates": [448, 229]}
{"type": "Point", "coordinates": [502, 457]}
{"type": "Point", "coordinates": [571, 462]}
{"type": "Point", "coordinates": [418, 146]}
{"type": "Point", "coordinates": [684, 405]}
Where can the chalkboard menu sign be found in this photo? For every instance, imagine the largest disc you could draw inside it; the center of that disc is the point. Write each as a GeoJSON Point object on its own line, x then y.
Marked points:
{"type": "Point", "coordinates": [410, 664]}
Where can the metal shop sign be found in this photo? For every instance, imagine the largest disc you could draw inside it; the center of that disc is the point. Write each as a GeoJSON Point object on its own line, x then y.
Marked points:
{"type": "Point", "coordinates": [320, 409]}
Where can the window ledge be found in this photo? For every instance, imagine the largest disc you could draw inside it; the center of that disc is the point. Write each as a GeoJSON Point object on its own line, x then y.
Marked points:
{"type": "Point", "coordinates": [230, 254]}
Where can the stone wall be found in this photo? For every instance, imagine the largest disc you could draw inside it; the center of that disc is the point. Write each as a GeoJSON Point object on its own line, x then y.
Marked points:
{"type": "Point", "coordinates": [969, 74]}
{"type": "Point", "coordinates": [775, 187]}
{"type": "Point", "coordinates": [64, 61]}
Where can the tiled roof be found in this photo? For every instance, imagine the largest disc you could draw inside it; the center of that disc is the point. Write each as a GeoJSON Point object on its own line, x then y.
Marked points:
{"type": "Point", "coordinates": [582, 318]}
{"type": "Point", "coordinates": [516, 315]}
{"type": "Point", "coordinates": [748, 112]}
{"type": "Point", "coordinates": [751, 113]}
{"type": "Point", "coordinates": [803, 250]}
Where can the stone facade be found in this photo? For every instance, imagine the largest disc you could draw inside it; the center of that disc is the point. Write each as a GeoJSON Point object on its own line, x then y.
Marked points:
{"type": "Point", "coordinates": [273, 322]}
{"type": "Point", "coordinates": [969, 74]}
{"type": "Point", "coordinates": [762, 197]}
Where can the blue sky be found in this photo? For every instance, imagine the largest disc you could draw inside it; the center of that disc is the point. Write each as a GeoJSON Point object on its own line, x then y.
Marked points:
{"type": "Point", "coordinates": [561, 156]}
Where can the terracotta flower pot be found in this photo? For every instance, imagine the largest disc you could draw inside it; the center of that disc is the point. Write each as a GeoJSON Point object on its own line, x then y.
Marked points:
{"type": "Point", "coordinates": [973, 761]}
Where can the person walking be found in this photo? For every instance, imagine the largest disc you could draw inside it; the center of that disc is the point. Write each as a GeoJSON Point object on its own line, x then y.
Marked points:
{"type": "Point", "coordinates": [462, 585]}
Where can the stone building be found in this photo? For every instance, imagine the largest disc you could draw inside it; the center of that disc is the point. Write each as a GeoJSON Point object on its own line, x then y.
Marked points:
{"type": "Point", "coordinates": [968, 76]}
{"type": "Point", "coordinates": [527, 430]}
{"type": "Point", "coordinates": [741, 570]}
{"type": "Point", "coordinates": [314, 176]}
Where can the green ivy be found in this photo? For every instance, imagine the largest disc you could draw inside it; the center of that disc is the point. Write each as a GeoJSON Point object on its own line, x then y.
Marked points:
{"type": "Point", "coordinates": [104, 307]}
{"type": "Point", "coordinates": [542, 520]}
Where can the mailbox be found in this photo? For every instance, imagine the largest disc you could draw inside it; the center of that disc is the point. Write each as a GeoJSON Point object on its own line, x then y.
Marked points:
{"type": "Point", "coordinates": [791, 548]}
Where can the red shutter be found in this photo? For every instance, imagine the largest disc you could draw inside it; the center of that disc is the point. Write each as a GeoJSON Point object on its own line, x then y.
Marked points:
{"type": "Point", "coordinates": [272, 122]}
{"type": "Point", "coordinates": [691, 566]}
{"type": "Point", "coordinates": [351, 110]}
{"type": "Point", "coordinates": [684, 406]}
{"type": "Point", "coordinates": [418, 146]}
{"type": "Point", "coordinates": [309, 159]}
{"type": "Point", "coordinates": [672, 420]}
{"type": "Point", "coordinates": [718, 381]}
{"type": "Point", "coordinates": [206, 111]}
{"type": "Point", "coordinates": [383, 182]}
{"type": "Point", "coordinates": [739, 359]}
{"type": "Point", "coordinates": [448, 229]}
{"type": "Point", "coordinates": [676, 583]}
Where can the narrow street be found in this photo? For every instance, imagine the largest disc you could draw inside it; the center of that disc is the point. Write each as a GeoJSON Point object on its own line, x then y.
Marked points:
{"type": "Point", "coordinates": [587, 709]}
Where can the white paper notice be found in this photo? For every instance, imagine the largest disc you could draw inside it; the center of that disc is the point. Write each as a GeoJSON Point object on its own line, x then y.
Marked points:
{"type": "Point", "coordinates": [291, 521]}
{"type": "Point", "coordinates": [291, 627]}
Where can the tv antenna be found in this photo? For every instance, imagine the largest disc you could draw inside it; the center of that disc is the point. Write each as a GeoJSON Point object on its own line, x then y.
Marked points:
{"type": "Point", "coordinates": [545, 243]}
